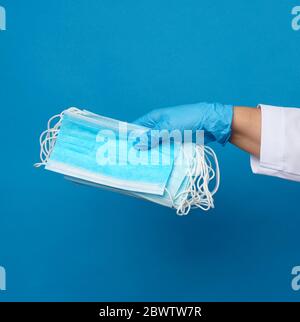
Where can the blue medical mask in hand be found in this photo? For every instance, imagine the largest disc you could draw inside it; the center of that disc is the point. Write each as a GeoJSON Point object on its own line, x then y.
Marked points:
{"type": "Point", "coordinates": [95, 150]}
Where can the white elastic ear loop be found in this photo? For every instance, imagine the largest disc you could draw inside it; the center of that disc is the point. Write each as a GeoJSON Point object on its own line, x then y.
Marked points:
{"type": "Point", "coordinates": [200, 173]}
{"type": "Point", "coordinates": [49, 136]}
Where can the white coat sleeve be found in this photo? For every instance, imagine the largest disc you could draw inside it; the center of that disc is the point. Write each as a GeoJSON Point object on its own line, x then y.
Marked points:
{"type": "Point", "coordinates": [280, 143]}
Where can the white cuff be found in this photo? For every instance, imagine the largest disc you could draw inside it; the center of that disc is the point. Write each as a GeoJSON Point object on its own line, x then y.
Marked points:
{"type": "Point", "coordinates": [274, 157]}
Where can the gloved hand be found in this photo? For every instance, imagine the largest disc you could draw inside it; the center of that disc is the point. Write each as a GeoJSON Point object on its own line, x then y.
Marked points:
{"type": "Point", "coordinates": [215, 119]}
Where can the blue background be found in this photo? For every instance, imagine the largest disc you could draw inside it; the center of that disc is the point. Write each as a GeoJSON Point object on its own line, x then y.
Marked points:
{"type": "Point", "coordinates": [61, 241]}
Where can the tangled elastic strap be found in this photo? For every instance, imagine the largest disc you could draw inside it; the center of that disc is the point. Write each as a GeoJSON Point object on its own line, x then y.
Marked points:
{"type": "Point", "coordinates": [48, 137]}
{"type": "Point", "coordinates": [200, 172]}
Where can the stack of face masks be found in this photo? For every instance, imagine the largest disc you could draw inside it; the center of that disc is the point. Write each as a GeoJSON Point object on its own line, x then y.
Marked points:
{"type": "Point", "coordinates": [99, 151]}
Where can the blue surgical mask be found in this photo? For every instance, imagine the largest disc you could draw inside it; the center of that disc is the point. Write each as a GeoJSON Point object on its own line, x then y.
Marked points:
{"type": "Point", "coordinates": [91, 149]}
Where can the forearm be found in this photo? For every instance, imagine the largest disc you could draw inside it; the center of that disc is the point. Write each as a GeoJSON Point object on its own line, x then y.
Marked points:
{"type": "Point", "coordinates": [246, 129]}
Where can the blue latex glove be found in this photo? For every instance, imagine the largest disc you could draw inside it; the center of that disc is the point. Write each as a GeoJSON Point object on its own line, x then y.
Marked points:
{"type": "Point", "coordinates": [214, 118]}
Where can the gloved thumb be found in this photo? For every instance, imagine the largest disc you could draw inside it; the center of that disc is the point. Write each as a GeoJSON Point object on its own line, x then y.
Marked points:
{"type": "Point", "coordinates": [146, 121]}
{"type": "Point", "coordinates": [148, 140]}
